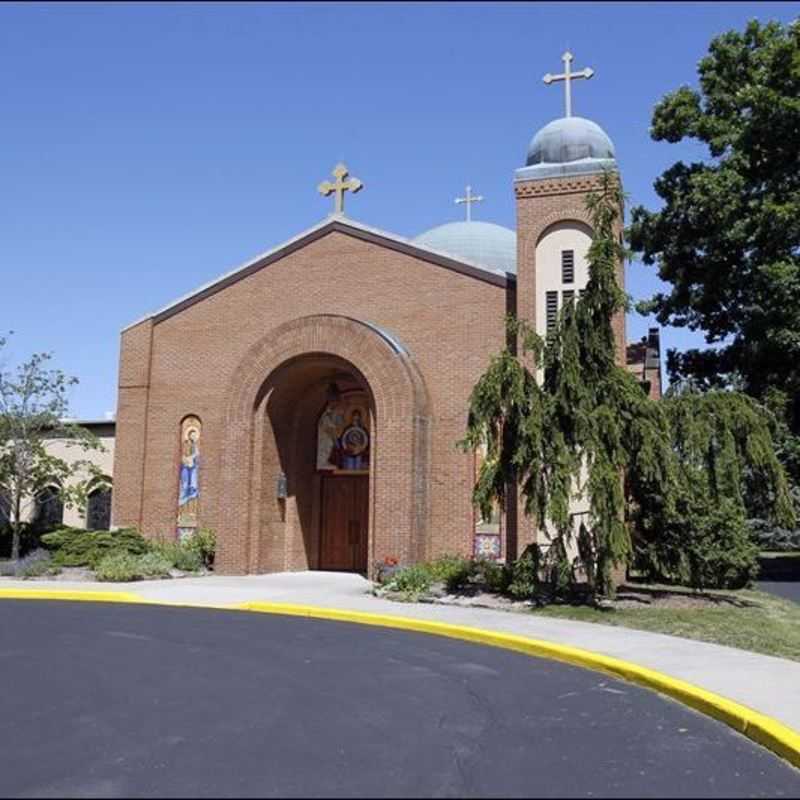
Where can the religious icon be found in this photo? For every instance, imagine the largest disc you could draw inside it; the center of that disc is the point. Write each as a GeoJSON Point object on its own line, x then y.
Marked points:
{"type": "Point", "coordinates": [343, 435]}
{"type": "Point", "coordinates": [330, 423]}
{"type": "Point", "coordinates": [189, 479]}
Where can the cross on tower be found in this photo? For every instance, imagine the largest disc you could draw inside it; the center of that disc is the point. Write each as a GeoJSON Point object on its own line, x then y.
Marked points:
{"type": "Point", "coordinates": [468, 201]}
{"type": "Point", "coordinates": [568, 77]}
{"type": "Point", "coordinates": [339, 187]}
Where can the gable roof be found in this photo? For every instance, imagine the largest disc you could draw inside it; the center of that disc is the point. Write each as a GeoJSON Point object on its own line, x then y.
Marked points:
{"type": "Point", "coordinates": [333, 223]}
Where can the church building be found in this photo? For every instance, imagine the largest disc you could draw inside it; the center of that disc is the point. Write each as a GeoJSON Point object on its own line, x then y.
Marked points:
{"type": "Point", "coordinates": [315, 427]}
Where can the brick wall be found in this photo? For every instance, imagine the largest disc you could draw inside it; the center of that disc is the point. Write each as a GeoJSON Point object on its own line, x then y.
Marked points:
{"type": "Point", "coordinates": [214, 358]}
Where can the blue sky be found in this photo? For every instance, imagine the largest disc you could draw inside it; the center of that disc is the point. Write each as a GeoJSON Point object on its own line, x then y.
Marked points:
{"type": "Point", "coordinates": [146, 149]}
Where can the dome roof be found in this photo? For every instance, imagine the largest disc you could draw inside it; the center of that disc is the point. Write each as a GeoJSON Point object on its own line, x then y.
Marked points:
{"type": "Point", "coordinates": [569, 139]}
{"type": "Point", "coordinates": [484, 243]}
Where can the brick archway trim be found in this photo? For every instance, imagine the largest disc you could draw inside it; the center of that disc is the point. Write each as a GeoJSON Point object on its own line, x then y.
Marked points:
{"type": "Point", "coordinates": [400, 483]}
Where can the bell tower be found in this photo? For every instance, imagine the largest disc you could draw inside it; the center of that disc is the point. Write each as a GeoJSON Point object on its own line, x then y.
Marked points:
{"type": "Point", "coordinates": [565, 161]}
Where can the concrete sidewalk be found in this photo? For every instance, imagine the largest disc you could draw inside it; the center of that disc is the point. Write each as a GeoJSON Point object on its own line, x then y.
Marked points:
{"type": "Point", "coordinates": [763, 683]}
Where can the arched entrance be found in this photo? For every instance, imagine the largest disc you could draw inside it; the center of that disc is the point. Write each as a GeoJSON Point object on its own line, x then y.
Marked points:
{"type": "Point", "coordinates": [318, 420]}
{"type": "Point", "coordinates": [326, 451]}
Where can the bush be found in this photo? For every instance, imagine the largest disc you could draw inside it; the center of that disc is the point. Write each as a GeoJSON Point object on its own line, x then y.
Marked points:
{"type": "Point", "coordinates": [204, 544]}
{"type": "Point", "coordinates": [179, 555]}
{"type": "Point", "coordinates": [75, 547]}
{"type": "Point", "coordinates": [412, 581]}
{"type": "Point", "coordinates": [719, 552]}
{"type": "Point", "coordinates": [454, 571]}
{"type": "Point", "coordinates": [153, 565]}
{"type": "Point", "coordinates": [497, 577]}
{"type": "Point", "coordinates": [767, 536]}
{"type": "Point", "coordinates": [524, 582]}
{"type": "Point", "coordinates": [35, 564]}
{"type": "Point", "coordinates": [119, 566]}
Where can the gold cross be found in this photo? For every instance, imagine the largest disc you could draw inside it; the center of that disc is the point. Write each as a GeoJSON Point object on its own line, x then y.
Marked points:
{"type": "Point", "coordinates": [340, 186]}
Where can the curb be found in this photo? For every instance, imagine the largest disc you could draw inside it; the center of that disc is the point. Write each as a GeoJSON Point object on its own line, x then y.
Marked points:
{"type": "Point", "coordinates": [760, 728]}
{"type": "Point", "coordinates": [70, 594]}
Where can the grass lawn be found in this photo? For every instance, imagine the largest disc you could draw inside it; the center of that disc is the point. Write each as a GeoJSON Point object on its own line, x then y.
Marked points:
{"type": "Point", "coordinates": [772, 626]}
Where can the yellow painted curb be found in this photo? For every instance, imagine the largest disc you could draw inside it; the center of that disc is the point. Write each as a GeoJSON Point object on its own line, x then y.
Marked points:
{"type": "Point", "coordinates": [70, 594]}
{"type": "Point", "coordinates": [762, 729]}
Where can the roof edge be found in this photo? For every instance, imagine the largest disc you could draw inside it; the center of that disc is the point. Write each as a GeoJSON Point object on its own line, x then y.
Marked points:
{"type": "Point", "coordinates": [340, 224]}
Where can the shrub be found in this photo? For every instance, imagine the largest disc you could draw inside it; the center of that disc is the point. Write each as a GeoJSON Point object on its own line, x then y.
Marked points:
{"type": "Point", "coordinates": [497, 577]}
{"type": "Point", "coordinates": [36, 563]}
{"type": "Point", "coordinates": [179, 555]}
{"type": "Point", "coordinates": [75, 547]}
{"type": "Point", "coordinates": [204, 544]}
{"type": "Point", "coordinates": [768, 536]}
{"type": "Point", "coordinates": [719, 553]}
{"type": "Point", "coordinates": [412, 581]}
{"type": "Point", "coordinates": [119, 566]}
{"type": "Point", "coordinates": [524, 582]}
{"type": "Point", "coordinates": [453, 571]}
{"type": "Point", "coordinates": [153, 565]}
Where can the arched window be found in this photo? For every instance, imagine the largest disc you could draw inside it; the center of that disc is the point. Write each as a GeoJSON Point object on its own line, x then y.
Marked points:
{"type": "Point", "coordinates": [189, 476]}
{"type": "Point", "coordinates": [49, 509]}
{"type": "Point", "coordinates": [98, 508]}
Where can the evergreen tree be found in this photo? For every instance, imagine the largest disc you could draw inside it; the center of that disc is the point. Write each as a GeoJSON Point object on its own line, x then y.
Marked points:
{"type": "Point", "coordinates": [580, 431]}
{"type": "Point", "coordinates": [667, 480]}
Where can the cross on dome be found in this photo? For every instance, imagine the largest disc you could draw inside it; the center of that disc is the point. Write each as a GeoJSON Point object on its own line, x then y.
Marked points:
{"type": "Point", "coordinates": [339, 187]}
{"type": "Point", "coordinates": [568, 76]}
{"type": "Point", "coordinates": [468, 200]}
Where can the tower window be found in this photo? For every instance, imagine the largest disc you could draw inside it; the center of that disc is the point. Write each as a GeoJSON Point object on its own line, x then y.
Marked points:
{"type": "Point", "coordinates": [551, 311]}
{"type": "Point", "coordinates": [568, 266]}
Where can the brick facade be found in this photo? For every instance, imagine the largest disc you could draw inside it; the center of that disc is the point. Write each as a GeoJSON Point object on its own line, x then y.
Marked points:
{"type": "Point", "coordinates": [251, 359]}
{"type": "Point", "coordinates": [252, 355]}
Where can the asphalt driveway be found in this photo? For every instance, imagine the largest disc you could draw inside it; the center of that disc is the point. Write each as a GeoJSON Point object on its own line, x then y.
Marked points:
{"type": "Point", "coordinates": [118, 700]}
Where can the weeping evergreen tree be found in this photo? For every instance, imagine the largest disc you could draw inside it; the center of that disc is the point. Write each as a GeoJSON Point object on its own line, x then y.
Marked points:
{"type": "Point", "coordinates": [579, 432]}
{"type": "Point", "coordinates": [725, 470]}
{"type": "Point", "coordinates": [588, 430]}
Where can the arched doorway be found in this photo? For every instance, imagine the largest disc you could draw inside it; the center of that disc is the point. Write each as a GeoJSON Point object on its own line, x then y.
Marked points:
{"type": "Point", "coordinates": [274, 490]}
{"type": "Point", "coordinates": [318, 425]}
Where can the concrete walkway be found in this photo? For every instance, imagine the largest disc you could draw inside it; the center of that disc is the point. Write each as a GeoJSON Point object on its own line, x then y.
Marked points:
{"type": "Point", "coordinates": [763, 683]}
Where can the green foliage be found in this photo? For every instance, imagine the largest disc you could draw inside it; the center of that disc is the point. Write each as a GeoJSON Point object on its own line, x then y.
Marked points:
{"type": "Point", "coordinates": [453, 571]}
{"type": "Point", "coordinates": [588, 415]}
{"type": "Point", "coordinates": [153, 565]}
{"type": "Point", "coordinates": [117, 567]}
{"type": "Point", "coordinates": [668, 483]}
{"type": "Point", "coordinates": [525, 583]}
{"type": "Point", "coordinates": [36, 564]}
{"type": "Point", "coordinates": [203, 543]}
{"type": "Point", "coordinates": [719, 552]}
{"type": "Point", "coordinates": [727, 238]}
{"type": "Point", "coordinates": [33, 409]}
{"type": "Point", "coordinates": [412, 581]}
{"type": "Point", "coordinates": [75, 547]}
{"type": "Point", "coordinates": [723, 468]}
{"type": "Point", "coordinates": [178, 555]}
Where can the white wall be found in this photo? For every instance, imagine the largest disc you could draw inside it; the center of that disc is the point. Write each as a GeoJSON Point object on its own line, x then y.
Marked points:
{"type": "Point", "coordinates": [569, 235]}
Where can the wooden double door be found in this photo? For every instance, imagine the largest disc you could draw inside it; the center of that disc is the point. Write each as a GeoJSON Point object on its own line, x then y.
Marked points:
{"type": "Point", "coordinates": [345, 523]}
